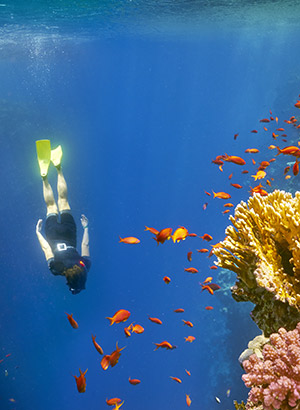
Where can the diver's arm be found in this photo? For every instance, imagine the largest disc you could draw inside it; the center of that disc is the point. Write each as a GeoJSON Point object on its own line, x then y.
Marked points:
{"type": "Point", "coordinates": [85, 249]}
{"type": "Point", "coordinates": [44, 244]}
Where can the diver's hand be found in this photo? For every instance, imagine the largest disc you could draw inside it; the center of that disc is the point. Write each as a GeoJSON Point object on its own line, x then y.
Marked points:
{"type": "Point", "coordinates": [39, 225]}
{"type": "Point", "coordinates": [84, 221]}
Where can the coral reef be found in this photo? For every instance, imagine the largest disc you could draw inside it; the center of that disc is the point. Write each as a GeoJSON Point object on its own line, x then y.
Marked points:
{"type": "Point", "coordinates": [275, 379]}
{"type": "Point", "coordinates": [263, 249]}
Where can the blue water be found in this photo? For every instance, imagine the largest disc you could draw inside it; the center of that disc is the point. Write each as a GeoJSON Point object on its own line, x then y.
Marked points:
{"type": "Point", "coordinates": [141, 96]}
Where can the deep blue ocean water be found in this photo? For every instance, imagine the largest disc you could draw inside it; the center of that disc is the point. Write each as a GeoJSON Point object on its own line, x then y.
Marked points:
{"type": "Point", "coordinates": [141, 96]}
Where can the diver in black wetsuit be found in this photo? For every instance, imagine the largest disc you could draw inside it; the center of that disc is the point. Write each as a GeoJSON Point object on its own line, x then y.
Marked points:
{"type": "Point", "coordinates": [59, 246]}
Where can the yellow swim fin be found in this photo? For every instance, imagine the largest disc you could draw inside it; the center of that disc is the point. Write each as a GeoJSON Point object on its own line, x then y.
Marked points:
{"type": "Point", "coordinates": [43, 150]}
{"type": "Point", "coordinates": [56, 155]}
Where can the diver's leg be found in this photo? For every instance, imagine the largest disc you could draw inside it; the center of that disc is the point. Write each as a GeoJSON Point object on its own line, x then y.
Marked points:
{"type": "Point", "coordinates": [49, 197]}
{"type": "Point", "coordinates": [62, 190]}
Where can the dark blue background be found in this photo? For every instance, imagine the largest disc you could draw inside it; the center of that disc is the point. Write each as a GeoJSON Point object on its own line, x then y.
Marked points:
{"type": "Point", "coordinates": [140, 116]}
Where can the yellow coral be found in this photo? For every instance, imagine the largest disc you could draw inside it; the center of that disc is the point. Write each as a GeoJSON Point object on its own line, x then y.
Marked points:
{"type": "Point", "coordinates": [263, 249]}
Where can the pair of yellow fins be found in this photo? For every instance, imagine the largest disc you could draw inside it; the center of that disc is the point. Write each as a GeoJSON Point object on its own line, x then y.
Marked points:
{"type": "Point", "coordinates": [46, 155]}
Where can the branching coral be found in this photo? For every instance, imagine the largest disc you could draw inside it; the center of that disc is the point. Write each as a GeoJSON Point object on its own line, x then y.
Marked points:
{"type": "Point", "coordinates": [275, 378]}
{"type": "Point", "coordinates": [263, 249]}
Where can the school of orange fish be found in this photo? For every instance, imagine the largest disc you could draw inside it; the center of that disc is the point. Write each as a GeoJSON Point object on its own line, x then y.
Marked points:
{"type": "Point", "coordinates": [279, 135]}
{"type": "Point", "coordinates": [181, 233]}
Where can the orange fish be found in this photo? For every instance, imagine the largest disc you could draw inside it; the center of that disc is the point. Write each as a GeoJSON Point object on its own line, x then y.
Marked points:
{"type": "Point", "coordinates": [297, 105]}
{"type": "Point", "coordinates": [203, 250]}
{"type": "Point", "coordinates": [127, 330]}
{"type": "Point", "coordinates": [120, 316]}
{"type": "Point", "coordinates": [259, 175]}
{"type": "Point", "coordinates": [290, 150]}
{"type": "Point", "coordinates": [207, 193]}
{"type": "Point", "coordinates": [72, 321]}
{"type": "Point", "coordinates": [81, 382]}
{"type": "Point", "coordinates": [179, 310]}
{"type": "Point", "coordinates": [279, 129]}
{"type": "Point", "coordinates": [235, 136]}
{"type": "Point", "coordinates": [98, 347]}
{"type": "Point", "coordinates": [190, 339]}
{"type": "Point", "coordinates": [188, 323]}
{"type": "Point", "coordinates": [254, 131]}
{"type": "Point", "coordinates": [234, 159]}
{"type": "Point", "coordinates": [245, 172]}
{"type": "Point", "coordinates": [152, 230]}
{"type": "Point", "coordinates": [228, 205]}
{"type": "Point", "coordinates": [134, 381]}
{"type": "Point", "coordinates": [208, 279]}
{"type": "Point", "coordinates": [163, 235]}
{"type": "Point", "coordinates": [191, 270]}
{"type": "Point", "coordinates": [176, 379]}
{"type": "Point", "coordinates": [113, 401]}
{"type": "Point", "coordinates": [214, 266]}
{"type": "Point", "coordinates": [208, 307]}
{"type": "Point", "coordinates": [155, 320]}
{"type": "Point", "coordinates": [238, 186]}
{"type": "Point", "coordinates": [206, 287]}
{"type": "Point", "coordinates": [105, 362]}
{"type": "Point", "coordinates": [230, 176]}
{"type": "Point", "coordinates": [193, 235]}
{"type": "Point", "coordinates": [189, 256]}
{"type": "Point", "coordinates": [206, 237]}
{"type": "Point", "coordinates": [188, 400]}
{"type": "Point", "coordinates": [221, 195]}
{"type": "Point", "coordinates": [264, 120]}
{"type": "Point", "coordinates": [188, 372]}
{"type": "Point", "coordinates": [164, 345]}
{"type": "Point", "coordinates": [115, 355]}
{"type": "Point", "coordinates": [287, 177]}
{"type": "Point", "coordinates": [138, 329]}
{"type": "Point", "coordinates": [252, 150]}
{"type": "Point", "coordinates": [296, 168]}
{"type": "Point", "coordinates": [166, 279]}
{"type": "Point", "coordinates": [129, 240]}
{"type": "Point", "coordinates": [180, 234]}
{"type": "Point", "coordinates": [286, 170]}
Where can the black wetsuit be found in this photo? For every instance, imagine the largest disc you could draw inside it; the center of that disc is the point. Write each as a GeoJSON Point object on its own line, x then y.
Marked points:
{"type": "Point", "coordinates": [61, 234]}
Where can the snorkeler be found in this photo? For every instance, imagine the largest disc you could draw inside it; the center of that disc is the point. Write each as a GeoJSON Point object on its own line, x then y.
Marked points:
{"type": "Point", "coordinates": [59, 246]}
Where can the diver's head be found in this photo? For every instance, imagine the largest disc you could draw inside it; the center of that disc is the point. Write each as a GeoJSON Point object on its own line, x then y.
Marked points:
{"type": "Point", "coordinates": [76, 278]}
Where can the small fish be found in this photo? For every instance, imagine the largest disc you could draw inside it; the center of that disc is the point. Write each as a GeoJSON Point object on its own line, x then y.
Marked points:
{"type": "Point", "coordinates": [138, 329]}
{"type": "Point", "coordinates": [127, 330]}
{"type": "Point", "coordinates": [152, 230]}
{"type": "Point", "coordinates": [192, 235]}
{"type": "Point", "coordinates": [245, 171]}
{"type": "Point", "coordinates": [190, 339]}
{"type": "Point", "coordinates": [166, 279]}
{"type": "Point", "coordinates": [129, 240]}
{"type": "Point", "coordinates": [214, 286]}
{"type": "Point", "coordinates": [164, 345]}
{"type": "Point", "coordinates": [113, 401]}
{"type": "Point", "coordinates": [259, 175]}
{"type": "Point", "coordinates": [264, 120]}
{"type": "Point", "coordinates": [176, 379]}
{"type": "Point", "coordinates": [188, 372]}
{"type": "Point", "coordinates": [252, 150]}
{"type": "Point", "coordinates": [254, 131]}
{"type": "Point", "coordinates": [207, 280]}
{"type": "Point", "coordinates": [179, 310]}
{"type": "Point", "coordinates": [72, 321]}
{"type": "Point", "coordinates": [155, 320]}
{"type": "Point", "coordinates": [12, 400]}
{"type": "Point", "coordinates": [228, 393]}
{"type": "Point", "coordinates": [207, 193]}
{"type": "Point", "coordinates": [163, 235]}
{"type": "Point", "coordinates": [234, 159]}
{"type": "Point", "coordinates": [180, 234]}
{"type": "Point", "coordinates": [97, 347]}
{"type": "Point", "coordinates": [226, 211]}
{"type": "Point", "coordinates": [238, 186]}
{"type": "Point", "coordinates": [230, 176]}
{"type": "Point", "coordinates": [214, 267]}
{"type": "Point", "coordinates": [81, 381]}
{"type": "Point", "coordinates": [191, 270]}
{"type": "Point", "coordinates": [208, 307]}
{"type": "Point", "coordinates": [188, 400]}
{"type": "Point", "coordinates": [217, 400]}
{"type": "Point", "coordinates": [204, 206]}
{"type": "Point", "coordinates": [235, 136]}
{"type": "Point", "coordinates": [120, 316]}
{"type": "Point", "coordinates": [203, 250]}
{"type": "Point", "coordinates": [188, 323]}
{"type": "Point", "coordinates": [189, 256]}
{"type": "Point", "coordinates": [296, 168]}
{"type": "Point", "coordinates": [206, 237]}
{"type": "Point", "coordinates": [134, 382]}
{"type": "Point", "coordinates": [221, 195]}
{"type": "Point", "coordinates": [8, 354]}
{"type": "Point", "coordinates": [115, 355]}
{"type": "Point", "coordinates": [105, 362]}
{"type": "Point", "coordinates": [209, 289]}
